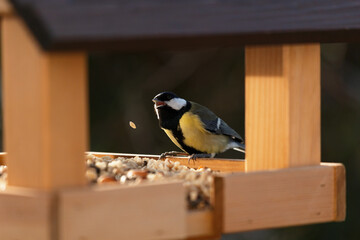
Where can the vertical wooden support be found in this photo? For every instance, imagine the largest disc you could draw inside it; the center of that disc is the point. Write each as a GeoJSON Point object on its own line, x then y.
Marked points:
{"type": "Point", "coordinates": [45, 111]}
{"type": "Point", "coordinates": [282, 106]}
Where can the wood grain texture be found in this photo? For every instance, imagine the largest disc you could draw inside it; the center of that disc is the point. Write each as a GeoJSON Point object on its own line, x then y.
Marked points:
{"type": "Point", "coordinates": [45, 111]}
{"type": "Point", "coordinates": [200, 224]}
{"type": "Point", "coordinates": [161, 24]}
{"type": "Point", "coordinates": [208, 224]}
{"type": "Point", "coordinates": [340, 190]}
{"type": "Point", "coordinates": [217, 164]}
{"type": "Point", "coordinates": [25, 214]}
{"type": "Point", "coordinates": [147, 211]}
{"type": "Point", "coordinates": [219, 206]}
{"type": "Point", "coordinates": [282, 106]}
{"type": "Point", "coordinates": [279, 198]}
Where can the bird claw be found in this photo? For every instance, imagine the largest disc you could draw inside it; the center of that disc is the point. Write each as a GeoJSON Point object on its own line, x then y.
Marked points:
{"type": "Point", "coordinates": [171, 154]}
{"type": "Point", "coordinates": [193, 157]}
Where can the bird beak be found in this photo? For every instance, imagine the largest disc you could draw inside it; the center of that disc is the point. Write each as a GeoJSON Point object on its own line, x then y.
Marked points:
{"type": "Point", "coordinates": [158, 103]}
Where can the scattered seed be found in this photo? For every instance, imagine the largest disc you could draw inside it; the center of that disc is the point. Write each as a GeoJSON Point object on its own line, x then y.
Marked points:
{"type": "Point", "coordinates": [101, 165]}
{"type": "Point", "coordinates": [106, 179]}
{"type": "Point", "coordinates": [132, 125]}
{"type": "Point", "coordinates": [91, 174]}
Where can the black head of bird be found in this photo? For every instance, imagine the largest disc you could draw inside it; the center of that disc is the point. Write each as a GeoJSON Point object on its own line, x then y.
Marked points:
{"type": "Point", "coordinates": [194, 128]}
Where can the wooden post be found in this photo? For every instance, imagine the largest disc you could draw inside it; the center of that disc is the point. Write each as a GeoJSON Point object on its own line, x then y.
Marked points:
{"type": "Point", "coordinates": [282, 115]}
{"type": "Point", "coordinates": [45, 111]}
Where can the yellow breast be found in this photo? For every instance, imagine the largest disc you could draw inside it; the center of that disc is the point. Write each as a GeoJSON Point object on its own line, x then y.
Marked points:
{"type": "Point", "coordinates": [197, 137]}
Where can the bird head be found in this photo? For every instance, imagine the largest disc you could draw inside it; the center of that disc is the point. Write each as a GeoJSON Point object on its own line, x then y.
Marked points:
{"type": "Point", "coordinates": [168, 99]}
{"type": "Point", "coordinates": [168, 102]}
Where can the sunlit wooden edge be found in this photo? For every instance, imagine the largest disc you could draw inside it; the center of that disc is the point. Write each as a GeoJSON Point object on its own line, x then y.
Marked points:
{"type": "Point", "coordinates": [198, 223]}
{"type": "Point", "coordinates": [216, 164]}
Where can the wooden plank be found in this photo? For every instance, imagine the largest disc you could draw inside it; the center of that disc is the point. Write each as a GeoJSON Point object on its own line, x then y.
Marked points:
{"type": "Point", "coordinates": [25, 214]}
{"type": "Point", "coordinates": [200, 224]}
{"type": "Point", "coordinates": [146, 211]}
{"type": "Point", "coordinates": [159, 24]}
{"type": "Point", "coordinates": [208, 224]}
{"type": "Point", "coordinates": [45, 111]}
{"type": "Point", "coordinates": [219, 206]}
{"type": "Point", "coordinates": [216, 164]}
{"type": "Point", "coordinates": [282, 106]}
{"type": "Point", "coordinates": [340, 193]}
{"type": "Point", "coordinates": [279, 198]}
{"type": "Point", "coordinates": [340, 190]}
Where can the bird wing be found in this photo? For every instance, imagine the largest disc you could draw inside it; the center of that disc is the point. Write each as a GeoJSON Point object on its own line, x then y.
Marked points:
{"type": "Point", "coordinates": [213, 123]}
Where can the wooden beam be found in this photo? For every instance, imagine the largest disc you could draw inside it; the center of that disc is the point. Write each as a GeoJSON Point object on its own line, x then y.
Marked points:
{"type": "Point", "coordinates": [146, 211]}
{"type": "Point", "coordinates": [282, 106]}
{"type": "Point", "coordinates": [159, 24]}
{"type": "Point", "coordinates": [45, 111]}
{"type": "Point", "coordinates": [26, 214]}
{"type": "Point", "coordinates": [200, 224]}
{"type": "Point", "coordinates": [286, 197]}
{"type": "Point", "coordinates": [340, 190]}
{"type": "Point", "coordinates": [216, 164]}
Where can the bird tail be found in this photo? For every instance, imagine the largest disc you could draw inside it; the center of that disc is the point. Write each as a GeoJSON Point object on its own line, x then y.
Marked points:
{"type": "Point", "coordinates": [240, 148]}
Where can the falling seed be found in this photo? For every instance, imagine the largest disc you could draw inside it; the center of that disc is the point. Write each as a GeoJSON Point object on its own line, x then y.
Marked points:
{"type": "Point", "coordinates": [132, 125]}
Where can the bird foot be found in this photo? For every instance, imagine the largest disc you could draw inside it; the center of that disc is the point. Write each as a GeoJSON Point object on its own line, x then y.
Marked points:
{"type": "Point", "coordinates": [172, 154]}
{"type": "Point", "coordinates": [193, 157]}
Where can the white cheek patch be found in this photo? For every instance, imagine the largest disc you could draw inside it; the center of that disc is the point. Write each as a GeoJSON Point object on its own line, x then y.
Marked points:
{"type": "Point", "coordinates": [176, 103]}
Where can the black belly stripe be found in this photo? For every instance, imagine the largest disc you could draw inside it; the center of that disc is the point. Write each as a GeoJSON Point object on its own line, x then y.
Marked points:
{"type": "Point", "coordinates": [169, 119]}
{"type": "Point", "coordinates": [178, 135]}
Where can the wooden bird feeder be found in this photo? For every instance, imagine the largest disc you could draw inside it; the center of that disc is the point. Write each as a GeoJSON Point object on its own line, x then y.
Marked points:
{"type": "Point", "coordinates": [282, 182]}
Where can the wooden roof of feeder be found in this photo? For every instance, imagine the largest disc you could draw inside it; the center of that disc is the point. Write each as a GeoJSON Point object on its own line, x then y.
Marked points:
{"type": "Point", "coordinates": [160, 24]}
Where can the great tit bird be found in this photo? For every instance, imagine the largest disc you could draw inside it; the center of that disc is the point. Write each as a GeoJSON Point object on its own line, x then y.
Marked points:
{"type": "Point", "coordinates": [194, 128]}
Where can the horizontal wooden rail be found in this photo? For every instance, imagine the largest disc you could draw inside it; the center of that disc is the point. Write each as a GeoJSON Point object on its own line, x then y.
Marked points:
{"type": "Point", "coordinates": [26, 214]}
{"type": "Point", "coordinates": [216, 164]}
{"type": "Point", "coordinates": [147, 211]}
{"type": "Point", "coordinates": [243, 202]}
{"type": "Point", "coordinates": [288, 197]}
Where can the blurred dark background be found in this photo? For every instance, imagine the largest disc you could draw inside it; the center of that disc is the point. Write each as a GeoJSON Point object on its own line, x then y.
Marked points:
{"type": "Point", "coordinates": [123, 84]}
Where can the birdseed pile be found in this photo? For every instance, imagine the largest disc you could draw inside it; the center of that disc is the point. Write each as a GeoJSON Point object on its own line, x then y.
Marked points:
{"type": "Point", "coordinates": [131, 171]}
{"type": "Point", "coordinates": [198, 182]}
